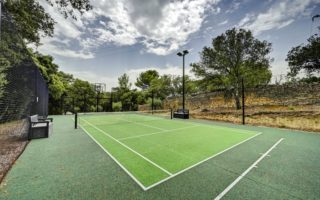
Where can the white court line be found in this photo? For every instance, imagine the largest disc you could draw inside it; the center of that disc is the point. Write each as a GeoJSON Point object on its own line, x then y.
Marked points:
{"type": "Point", "coordinates": [238, 130]}
{"type": "Point", "coordinates": [180, 172]}
{"type": "Point", "coordinates": [192, 166]}
{"type": "Point", "coordinates": [115, 160]}
{"type": "Point", "coordinates": [164, 170]}
{"type": "Point", "coordinates": [159, 132]}
{"type": "Point", "coordinates": [225, 191]}
{"type": "Point", "coordinates": [142, 124]}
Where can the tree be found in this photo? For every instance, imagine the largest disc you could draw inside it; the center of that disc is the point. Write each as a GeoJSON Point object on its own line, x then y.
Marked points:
{"type": "Point", "coordinates": [83, 93]}
{"type": "Point", "coordinates": [145, 78]}
{"type": "Point", "coordinates": [32, 21]}
{"type": "Point", "coordinates": [234, 55]}
{"type": "Point", "coordinates": [4, 64]}
{"type": "Point", "coordinates": [49, 71]}
{"type": "Point", "coordinates": [124, 84]}
{"type": "Point", "coordinates": [161, 87]}
{"type": "Point", "coordinates": [305, 57]}
{"type": "Point", "coordinates": [67, 7]}
{"type": "Point", "coordinates": [123, 92]}
{"type": "Point", "coordinates": [190, 85]}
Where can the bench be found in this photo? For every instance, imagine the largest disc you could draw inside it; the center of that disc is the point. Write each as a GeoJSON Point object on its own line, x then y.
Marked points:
{"type": "Point", "coordinates": [182, 114]}
{"type": "Point", "coordinates": [39, 127]}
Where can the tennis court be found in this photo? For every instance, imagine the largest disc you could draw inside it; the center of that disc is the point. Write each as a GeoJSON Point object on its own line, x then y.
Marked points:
{"type": "Point", "coordinates": [276, 164]}
{"type": "Point", "coordinates": [153, 148]}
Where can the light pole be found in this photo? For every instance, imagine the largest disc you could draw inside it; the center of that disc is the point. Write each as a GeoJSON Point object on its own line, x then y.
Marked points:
{"type": "Point", "coordinates": [183, 53]}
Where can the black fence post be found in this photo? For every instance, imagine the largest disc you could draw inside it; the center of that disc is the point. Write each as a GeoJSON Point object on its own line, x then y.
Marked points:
{"type": "Point", "coordinates": [97, 103]}
{"type": "Point", "coordinates": [152, 102]}
{"type": "Point", "coordinates": [62, 104]}
{"type": "Point", "coordinates": [111, 99]}
{"type": "Point", "coordinates": [73, 105]}
{"type": "Point", "coordinates": [243, 104]}
{"type": "Point", "coordinates": [171, 113]}
{"type": "Point", "coordinates": [85, 104]}
{"type": "Point", "coordinates": [76, 120]}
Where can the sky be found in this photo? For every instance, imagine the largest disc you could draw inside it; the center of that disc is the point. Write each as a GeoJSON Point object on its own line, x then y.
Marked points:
{"type": "Point", "coordinates": [132, 36]}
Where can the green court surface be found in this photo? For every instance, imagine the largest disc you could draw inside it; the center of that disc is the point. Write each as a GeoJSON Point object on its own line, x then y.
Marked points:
{"type": "Point", "coordinates": [152, 149]}
{"type": "Point", "coordinates": [276, 164]}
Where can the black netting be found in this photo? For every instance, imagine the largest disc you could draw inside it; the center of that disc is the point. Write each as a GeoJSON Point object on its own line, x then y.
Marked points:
{"type": "Point", "coordinates": [23, 90]}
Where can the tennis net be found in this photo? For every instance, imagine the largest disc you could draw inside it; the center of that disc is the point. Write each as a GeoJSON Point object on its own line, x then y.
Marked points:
{"type": "Point", "coordinates": [114, 118]}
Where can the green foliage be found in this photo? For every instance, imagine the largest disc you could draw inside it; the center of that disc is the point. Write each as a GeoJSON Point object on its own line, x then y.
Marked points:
{"type": "Point", "coordinates": [141, 97]}
{"type": "Point", "coordinates": [67, 7]}
{"type": "Point", "coordinates": [82, 93]}
{"type": "Point", "coordinates": [312, 79]}
{"type": "Point", "coordinates": [191, 86]}
{"type": "Point", "coordinates": [124, 84]}
{"type": "Point", "coordinates": [27, 21]}
{"type": "Point", "coordinates": [49, 70]}
{"type": "Point", "coordinates": [116, 106]}
{"type": "Point", "coordinates": [305, 57]}
{"type": "Point", "coordinates": [31, 20]}
{"type": "Point", "coordinates": [145, 78]}
{"type": "Point", "coordinates": [124, 94]}
{"type": "Point", "coordinates": [4, 64]}
{"type": "Point", "coordinates": [234, 55]}
{"type": "Point", "coordinates": [56, 87]}
{"type": "Point", "coordinates": [157, 103]}
{"type": "Point", "coordinates": [161, 87]}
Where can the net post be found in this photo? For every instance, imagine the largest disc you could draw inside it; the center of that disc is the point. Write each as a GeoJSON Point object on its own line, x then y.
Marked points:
{"type": "Point", "coordinates": [76, 120]}
{"type": "Point", "coordinates": [171, 113]}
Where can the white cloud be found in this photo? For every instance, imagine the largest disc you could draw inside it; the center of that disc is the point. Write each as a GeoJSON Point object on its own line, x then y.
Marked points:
{"type": "Point", "coordinates": [96, 78]}
{"type": "Point", "coordinates": [66, 30]}
{"type": "Point", "coordinates": [161, 26]}
{"type": "Point", "coordinates": [234, 6]}
{"type": "Point", "coordinates": [279, 15]}
{"type": "Point", "coordinates": [60, 48]}
{"type": "Point", "coordinates": [223, 23]}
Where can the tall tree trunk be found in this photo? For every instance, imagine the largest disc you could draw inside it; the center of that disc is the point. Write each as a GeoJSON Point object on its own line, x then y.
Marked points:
{"type": "Point", "coordinates": [238, 103]}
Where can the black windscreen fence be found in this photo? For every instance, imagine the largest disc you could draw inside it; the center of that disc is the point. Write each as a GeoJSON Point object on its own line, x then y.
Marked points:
{"type": "Point", "coordinates": [23, 90]}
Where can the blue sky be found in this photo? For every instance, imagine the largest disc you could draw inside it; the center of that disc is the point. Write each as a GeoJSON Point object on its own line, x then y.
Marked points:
{"type": "Point", "coordinates": [131, 36]}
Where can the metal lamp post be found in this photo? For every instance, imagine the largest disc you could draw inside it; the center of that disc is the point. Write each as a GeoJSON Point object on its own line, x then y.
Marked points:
{"type": "Point", "coordinates": [183, 53]}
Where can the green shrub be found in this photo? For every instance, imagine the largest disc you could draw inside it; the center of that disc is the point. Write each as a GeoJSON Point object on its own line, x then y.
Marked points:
{"type": "Point", "coordinates": [157, 103]}
{"type": "Point", "coordinates": [117, 106]}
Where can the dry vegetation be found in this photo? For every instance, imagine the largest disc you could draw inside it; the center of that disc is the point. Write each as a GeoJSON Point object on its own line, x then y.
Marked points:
{"type": "Point", "coordinates": [293, 119]}
{"type": "Point", "coordinates": [293, 107]}
{"type": "Point", "coordinates": [12, 144]}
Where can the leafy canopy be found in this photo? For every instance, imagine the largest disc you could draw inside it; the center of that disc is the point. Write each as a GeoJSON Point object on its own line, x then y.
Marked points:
{"type": "Point", "coordinates": [145, 78]}
{"type": "Point", "coordinates": [32, 21]}
{"type": "Point", "coordinates": [234, 55]}
{"type": "Point", "coordinates": [305, 57]}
